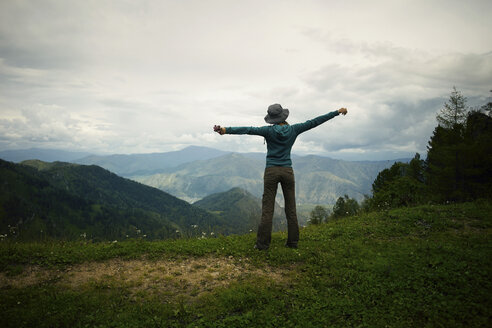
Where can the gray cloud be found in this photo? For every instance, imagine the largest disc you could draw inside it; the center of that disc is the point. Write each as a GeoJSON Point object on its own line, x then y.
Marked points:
{"type": "Point", "coordinates": [156, 75]}
{"type": "Point", "coordinates": [394, 102]}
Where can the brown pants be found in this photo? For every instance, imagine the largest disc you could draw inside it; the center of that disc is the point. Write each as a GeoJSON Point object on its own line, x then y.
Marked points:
{"type": "Point", "coordinates": [274, 175]}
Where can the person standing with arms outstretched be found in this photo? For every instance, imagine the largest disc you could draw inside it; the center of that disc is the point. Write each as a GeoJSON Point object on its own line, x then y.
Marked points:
{"type": "Point", "coordinates": [280, 137]}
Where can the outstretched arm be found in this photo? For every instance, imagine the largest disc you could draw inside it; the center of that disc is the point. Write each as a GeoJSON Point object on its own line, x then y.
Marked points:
{"type": "Point", "coordinates": [302, 127]}
{"type": "Point", "coordinates": [259, 131]}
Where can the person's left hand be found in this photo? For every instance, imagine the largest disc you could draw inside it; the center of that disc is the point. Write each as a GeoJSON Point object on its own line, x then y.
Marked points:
{"type": "Point", "coordinates": [343, 111]}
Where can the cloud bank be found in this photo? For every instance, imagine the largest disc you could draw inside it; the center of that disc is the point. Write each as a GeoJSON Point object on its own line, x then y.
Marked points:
{"type": "Point", "coordinates": [154, 76]}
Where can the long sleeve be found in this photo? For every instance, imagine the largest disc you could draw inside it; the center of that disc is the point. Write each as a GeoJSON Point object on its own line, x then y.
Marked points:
{"type": "Point", "coordinates": [302, 127]}
{"type": "Point", "coordinates": [259, 131]}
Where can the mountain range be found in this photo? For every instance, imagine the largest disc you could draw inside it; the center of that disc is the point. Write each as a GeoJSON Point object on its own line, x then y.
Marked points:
{"type": "Point", "coordinates": [150, 194]}
{"type": "Point", "coordinates": [146, 164]}
{"type": "Point", "coordinates": [196, 172]}
{"type": "Point", "coordinates": [319, 180]}
{"type": "Point", "coordinates": [42, 154]}
{"type": "Point", "coordinates": [65, 200]}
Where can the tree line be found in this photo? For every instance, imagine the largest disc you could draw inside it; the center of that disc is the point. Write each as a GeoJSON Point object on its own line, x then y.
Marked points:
{"type": "Point", "coordinates": [457, 168]}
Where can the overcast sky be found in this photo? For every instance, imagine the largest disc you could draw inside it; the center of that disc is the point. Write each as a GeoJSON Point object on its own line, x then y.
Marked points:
{"type": "Point", "coordinates": [155, 76]}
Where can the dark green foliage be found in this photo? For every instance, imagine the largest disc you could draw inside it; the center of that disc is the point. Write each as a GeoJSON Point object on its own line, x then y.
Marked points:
{"type": "Point", "coordinates": [387, 176]}
{"type": "Point", "coordinates": [59, 200]}
{"type": "Point", "coordinates": [445, 155]}
{"type": "Point", "coordinates": [345, 206]}
{"type": "Point", "coordinates": [403, 191]}
{"type": "Point", "coordinates": [459, 160]}
{"type": "Point", "coordinates": [458, 165]}
{"type": "Point", "coordinates": [318, 215]}
{"type": "Point", "coordinates": [400, 185]}
{"type": "Point", "coordinates": [416, 169]}
{"type": "Point", "coordinates": [478, 156]}
{"type": "Point", "coordinates": [445, 163]}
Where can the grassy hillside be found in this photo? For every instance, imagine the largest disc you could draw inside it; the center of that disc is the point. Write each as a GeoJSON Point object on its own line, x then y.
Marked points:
{"type": "Point", "coordinates": [428, 266]}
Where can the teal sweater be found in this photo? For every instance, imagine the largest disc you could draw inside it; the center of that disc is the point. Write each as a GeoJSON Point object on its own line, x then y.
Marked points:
{"type": "Point", "coordinates": [281, 138]}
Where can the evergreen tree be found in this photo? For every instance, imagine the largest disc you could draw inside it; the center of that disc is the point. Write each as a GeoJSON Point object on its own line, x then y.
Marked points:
{"type": "Point", "coordinates": [416, 168]}
{"type": "Point", "coordinates": [445, 152]}
{"type": "Point", "coordinates": [458, 165]}
{"type": "Point", "coordinates": [444, 174]}
{"type": "Point", "coordinates": [459, 158]}
{"type": "Point", "coordinates": [477, 156]}
{"type": "Point", "coordinates": [386, 176]}
{"type": "Point", "coordinates": [454, 111]}
{"type": "Point", "coordinates": [400, 185]}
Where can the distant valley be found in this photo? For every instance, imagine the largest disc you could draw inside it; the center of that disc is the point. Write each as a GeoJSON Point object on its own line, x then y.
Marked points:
{"type": "Point", "coordinates": [319, 180]}
{"type": "Point", "coordinates": [196, 172]}
{"type": "Point", "coordinates": [40, 199]}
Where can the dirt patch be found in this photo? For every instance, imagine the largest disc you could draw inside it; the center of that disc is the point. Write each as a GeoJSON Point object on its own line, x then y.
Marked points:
{"type": "Point", "coordinates": [189, 276]}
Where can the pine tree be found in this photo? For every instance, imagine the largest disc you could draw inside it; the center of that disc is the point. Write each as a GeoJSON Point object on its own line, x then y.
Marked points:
{"type": "Point", "coordinates": [444, 174]}
{"type": "Point", "coordinates": [445, 160]}
{"type": "Point", "coordinates": [478, 155]}
{"type": "Point", "coordinates": [416, 168]}
{"type": "Point", "coordinates": [387, 176]}
{"type": "Point", "coordinates": [400, 185]}
{"type": "Point", "coordinates": [454, 111]}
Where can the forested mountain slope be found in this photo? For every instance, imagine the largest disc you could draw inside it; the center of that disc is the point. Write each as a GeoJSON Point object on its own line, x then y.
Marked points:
{"type": "Point", "coordinates": [63, 200]}
{"type": "Point", "coordinates": [241, 209]}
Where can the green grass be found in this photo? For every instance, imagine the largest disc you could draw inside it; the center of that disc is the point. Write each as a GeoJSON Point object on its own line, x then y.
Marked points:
{"type": "Point", "coordinates": [428, 266]}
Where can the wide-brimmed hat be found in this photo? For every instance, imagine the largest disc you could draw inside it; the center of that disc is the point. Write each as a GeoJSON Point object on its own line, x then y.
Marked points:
{"type": "Point", "coordinates": [276, 114]}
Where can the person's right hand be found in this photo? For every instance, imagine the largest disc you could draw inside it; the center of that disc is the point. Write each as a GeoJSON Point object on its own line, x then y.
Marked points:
{"type": "Point", "coordinates": [343, 111]}
{"type": "Point", "coordinates": [220, 130]}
